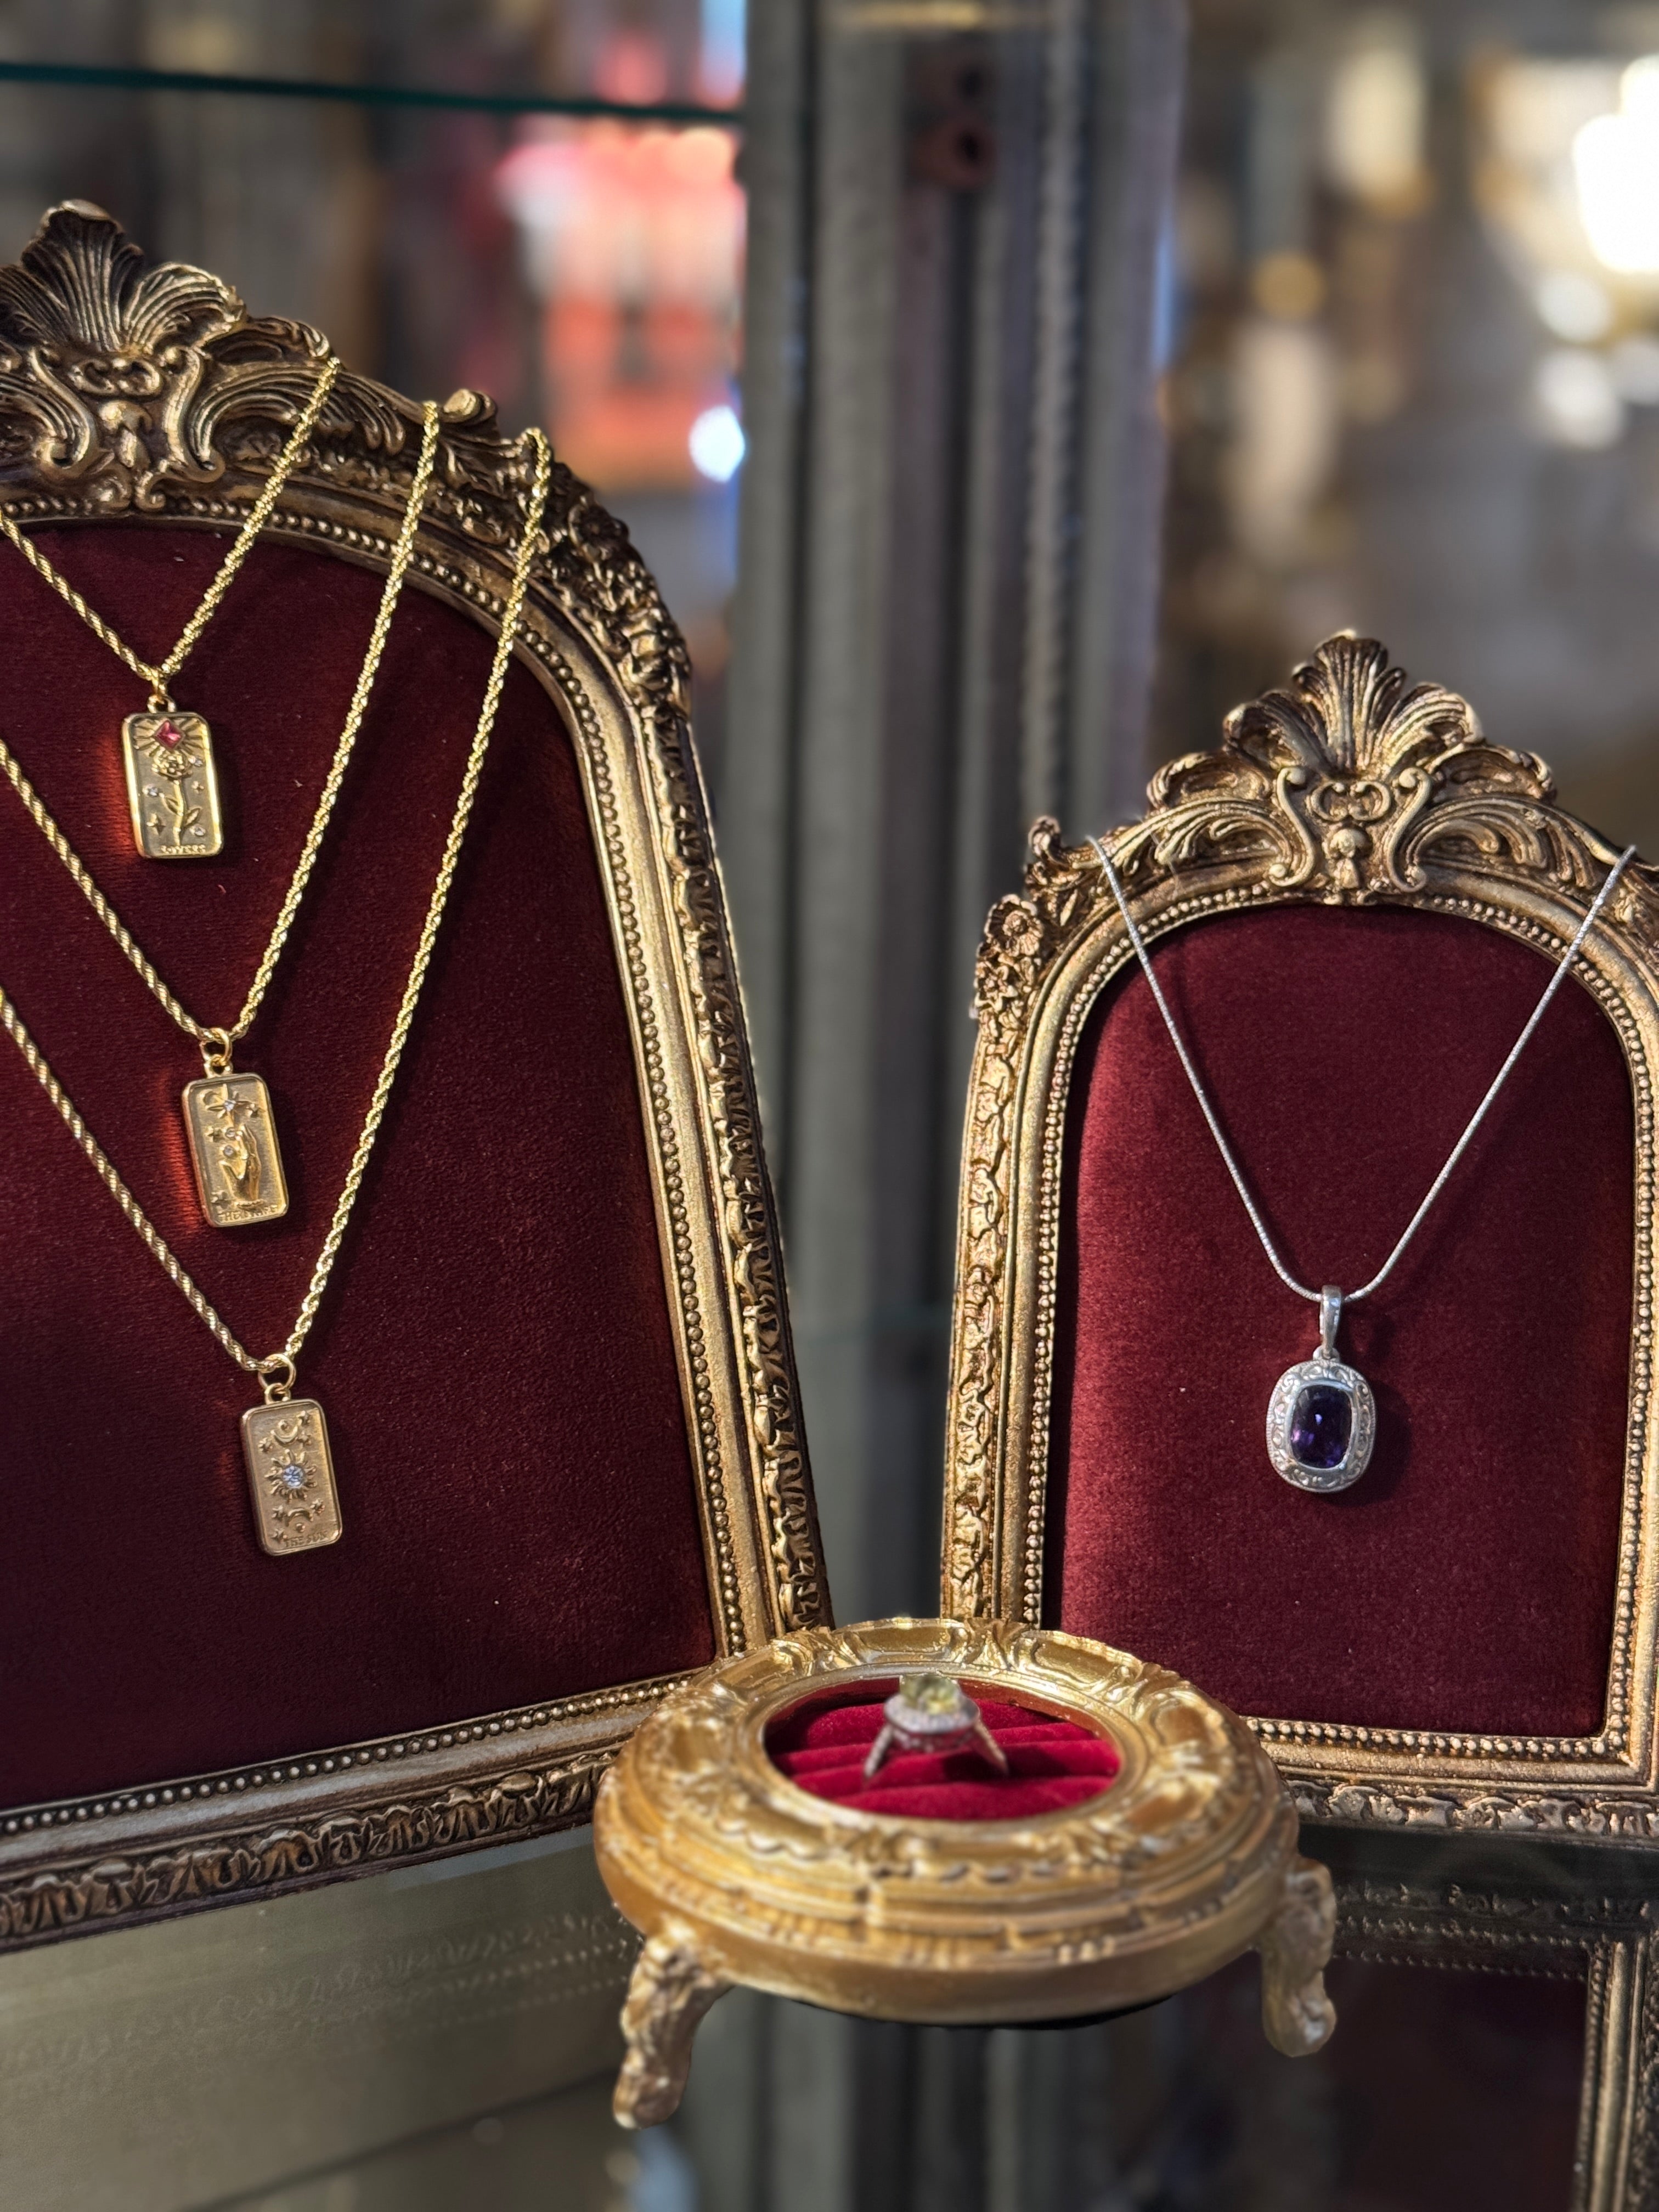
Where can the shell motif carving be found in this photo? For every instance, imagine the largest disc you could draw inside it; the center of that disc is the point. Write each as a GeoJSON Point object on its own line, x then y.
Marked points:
{"type": "Point", "coordinates": [102, 359]}
{"type": "Point", "coordinates": [122, 384]}
{"type": "Point", "coordinates": [1341, 788]}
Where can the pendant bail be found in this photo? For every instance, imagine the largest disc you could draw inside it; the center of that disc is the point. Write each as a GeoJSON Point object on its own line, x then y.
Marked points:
{"type": "Point", "coordinates": [278, 1375]}
{"type": "Point", "coordinates": [1330, 1320]}
{"type": "Point", "coordinates": [218, 1048]}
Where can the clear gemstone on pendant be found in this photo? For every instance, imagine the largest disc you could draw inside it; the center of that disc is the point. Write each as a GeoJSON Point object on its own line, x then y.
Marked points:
{"type": "Point", "coordinates": [1321, 1422]}
{"type": "Point", "coordinates": [292, 1477]}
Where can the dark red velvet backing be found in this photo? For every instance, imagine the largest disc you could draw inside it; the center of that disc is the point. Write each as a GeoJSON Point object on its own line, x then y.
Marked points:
{"type": "Point", "coordinates": [821, 1744]}
{"type": "Point", "coordinates": [1468, 1580]}
{"type": "Point", "coordinates": [494, 1354]}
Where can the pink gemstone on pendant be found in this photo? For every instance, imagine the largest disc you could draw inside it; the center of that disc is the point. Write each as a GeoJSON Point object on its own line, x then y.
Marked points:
{"type": "Point", "coordinates": [169, 735]}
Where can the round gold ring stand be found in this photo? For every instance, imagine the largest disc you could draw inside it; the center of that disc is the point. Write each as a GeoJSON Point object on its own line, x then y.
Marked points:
{"type": "Point", "coordinates": [733, 1873]}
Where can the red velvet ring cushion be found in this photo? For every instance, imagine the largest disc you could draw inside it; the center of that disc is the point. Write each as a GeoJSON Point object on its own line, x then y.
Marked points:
{"type": "Point", "coordinates": [494, 1353]}
{"type": "Point", "coordinates": [821, 1744]}
{"type": "Point", "coordinates": [1466, 1582]}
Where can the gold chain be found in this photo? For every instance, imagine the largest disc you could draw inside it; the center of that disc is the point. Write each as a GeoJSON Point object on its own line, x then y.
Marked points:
{"type": "Point", "coordinates": [161, 677]}
{"type": "Point", "coordinates": [277, 1368]}
{"type": "Point", "coordinates": [216, 1043]}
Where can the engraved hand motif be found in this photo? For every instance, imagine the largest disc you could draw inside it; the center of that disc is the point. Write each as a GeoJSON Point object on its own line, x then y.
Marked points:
{"type": "Point", "coordinates": [234, 1148]}
{"type": "Point", "coordinates": [124, 388]}
{"type": "Point", "coordinates": [239, 1163]}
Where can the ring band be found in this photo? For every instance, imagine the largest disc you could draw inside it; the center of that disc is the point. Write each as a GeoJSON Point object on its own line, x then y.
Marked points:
{"type": "Point", "coordinates": [931, 1713]}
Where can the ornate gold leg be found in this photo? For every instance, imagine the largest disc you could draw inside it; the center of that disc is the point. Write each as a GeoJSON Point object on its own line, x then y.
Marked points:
{"type": "Point", "coordinates": [1296, 1948]}
{"type": "Point", "coordinates": [668, 1994]}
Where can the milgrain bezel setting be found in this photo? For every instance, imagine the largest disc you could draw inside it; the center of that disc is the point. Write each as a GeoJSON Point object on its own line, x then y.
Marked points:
{"type": "Point", "coordinates": [1351, 786]}
{"type": "Point", "coordinates": [1362, 1432]}
{"type": "Point", "coordinates": [82, 315]}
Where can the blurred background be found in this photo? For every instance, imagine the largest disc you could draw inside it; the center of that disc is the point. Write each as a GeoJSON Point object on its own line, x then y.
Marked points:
{"type": "Point", "coordinates": [1413, 375]}
{"type": "Point", "coordinates": [1000, 390]}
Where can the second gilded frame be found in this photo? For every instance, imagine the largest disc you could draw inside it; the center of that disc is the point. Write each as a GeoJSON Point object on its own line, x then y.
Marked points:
{"type": "Point", "coordinates": [1350, 787]}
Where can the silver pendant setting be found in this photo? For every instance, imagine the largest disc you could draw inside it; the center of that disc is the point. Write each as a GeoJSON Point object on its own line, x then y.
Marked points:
{"type": "Point", "coordinates": [1322, 1418]}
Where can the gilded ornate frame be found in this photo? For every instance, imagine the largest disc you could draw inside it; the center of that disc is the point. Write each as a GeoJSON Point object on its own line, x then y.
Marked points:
{"type": "Point", "coordinates": [1348, 788]}
{"type": "Point", "coordinates": [148, 394]}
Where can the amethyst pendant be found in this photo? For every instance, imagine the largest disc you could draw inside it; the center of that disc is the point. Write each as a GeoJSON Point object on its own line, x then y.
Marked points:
{"type": "Point", "coordinates": [1322, 1418]}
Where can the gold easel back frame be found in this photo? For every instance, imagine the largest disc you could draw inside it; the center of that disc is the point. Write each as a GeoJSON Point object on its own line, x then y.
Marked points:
{"type": "Point", "coordinates": [1349, 789]}
{"type": "Point", "coordinates": [147, 395]}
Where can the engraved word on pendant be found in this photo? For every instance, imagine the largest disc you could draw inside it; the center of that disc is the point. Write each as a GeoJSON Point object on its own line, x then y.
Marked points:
{"type": "Point", "coordinates": [173, 787]}
{"type": "Point", "coordinates": [1322, 1418]}
{"type": "Point", "coordinates": [233, 1149]}
{"type": "Point", "coordinates": [290, 1473]}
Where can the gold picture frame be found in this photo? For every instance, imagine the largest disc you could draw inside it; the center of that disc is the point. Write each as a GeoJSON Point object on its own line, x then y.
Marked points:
{"type": "Point", "coordinates": [82, 317]}
{"type": "Point", "coordinates": [1349, 787]}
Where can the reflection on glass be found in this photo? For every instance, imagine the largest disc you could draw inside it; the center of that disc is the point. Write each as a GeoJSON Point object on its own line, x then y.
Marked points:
{"type": "Point", "coordinates": [633, 242]}
{"type": "Point", "coordinates": [634, 246]}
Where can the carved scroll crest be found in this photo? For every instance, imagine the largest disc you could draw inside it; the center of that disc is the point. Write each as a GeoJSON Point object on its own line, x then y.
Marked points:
{"type": "Point", "coordinates": [1347, 786]}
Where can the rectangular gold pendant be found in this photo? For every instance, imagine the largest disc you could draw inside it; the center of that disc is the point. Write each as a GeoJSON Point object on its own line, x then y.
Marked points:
{"type": "Point", "coordinates": [290, 1474]}
{"type": "Point", "coordinates": [173, 788]}
{"type": "Point", "coordinates": [233, 1149]}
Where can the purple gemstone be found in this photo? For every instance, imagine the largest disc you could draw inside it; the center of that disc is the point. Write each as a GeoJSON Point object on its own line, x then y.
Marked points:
{"type": "Point", "coordinates": [1321, 1422]}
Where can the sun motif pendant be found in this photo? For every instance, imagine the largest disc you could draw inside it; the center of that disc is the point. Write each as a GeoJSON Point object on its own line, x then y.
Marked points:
{"type": "Point", "coordinates": [1322, 1418]}
{"type": "Point", "coordinates": [172, 786]}
{"type": "Point", "coordinates": [290, 1476]}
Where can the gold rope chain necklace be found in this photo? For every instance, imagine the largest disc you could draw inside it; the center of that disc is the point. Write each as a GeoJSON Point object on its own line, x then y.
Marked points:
{"type": "Point", "coordinates": [228, 1120]}
{"type": "Point", "coordinates": [290, 1471]}
{"type": "Point", "coordinates": [166, 752]}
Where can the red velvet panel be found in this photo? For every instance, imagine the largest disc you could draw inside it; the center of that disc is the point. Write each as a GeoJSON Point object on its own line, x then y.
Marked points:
{"type": "Point", "coordinates": [821, 1744]}
{"type": "Point", "coordinates": [494, 1355]}
{"type": "Point", "coordinates": [1466, 1581]}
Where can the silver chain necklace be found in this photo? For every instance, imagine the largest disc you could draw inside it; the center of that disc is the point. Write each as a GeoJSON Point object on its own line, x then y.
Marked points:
{"type": "Point", "coordinates": [1322, 1418]}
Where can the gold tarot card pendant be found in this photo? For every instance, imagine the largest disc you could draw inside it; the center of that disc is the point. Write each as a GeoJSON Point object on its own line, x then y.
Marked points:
{"type": "Point", "coordinates": [233, 1149]}
{"type": "Point", "coordinates": [173, 788]}
{"type": "Point", "coordinates": [290, 1474]}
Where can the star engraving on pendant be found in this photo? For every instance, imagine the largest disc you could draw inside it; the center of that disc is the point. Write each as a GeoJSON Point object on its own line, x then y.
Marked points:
{"type": "Point", "coordinates": [296, 1498]}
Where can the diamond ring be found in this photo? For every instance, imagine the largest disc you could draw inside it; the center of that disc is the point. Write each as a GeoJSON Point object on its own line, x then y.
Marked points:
{"type": "Point", "coordinates": [931, 1712]}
